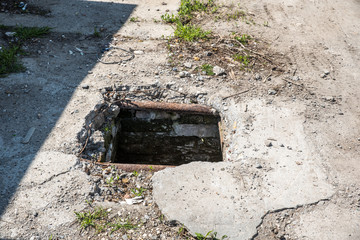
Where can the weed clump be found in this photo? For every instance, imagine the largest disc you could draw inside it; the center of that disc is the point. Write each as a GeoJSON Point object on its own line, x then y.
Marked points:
{"type": "Point", "coordinates": [9, 62]}
{"type": "Point", "coordinates": [189, 32]}
{"type": "Point", "coordinates": [184, 29]}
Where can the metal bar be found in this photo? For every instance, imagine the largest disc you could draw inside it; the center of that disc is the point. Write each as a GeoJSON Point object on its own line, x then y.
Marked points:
{"type": "Point", "coordinates": [173, 107]}
{"type": "Point", "coordinates": [132, 167]}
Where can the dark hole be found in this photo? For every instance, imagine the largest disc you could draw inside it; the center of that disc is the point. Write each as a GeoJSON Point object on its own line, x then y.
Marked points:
{"type": "Point", "coordinates": [166, 138]}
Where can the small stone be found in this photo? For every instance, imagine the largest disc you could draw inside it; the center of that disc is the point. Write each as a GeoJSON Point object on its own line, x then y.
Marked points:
{"type": "Point", "coordinates": [184, 74]}
{"type": "Point", "coordinates": [326, 72]}
{"type": "Point", "coordinates": [330, 99]}
{"type": "Point", "coordinates": [323, 75]}
{"type": "Point", "coordinates": [295, 78]}
{"type": "Point", "coordinates": [139, 52]}
{"type": "Point", "coordinates": [258, 77]}
{"type": "Point", "coordinates": [207, 53]}
{"type": "Point", "coordinates": [85, 86]}
{"type": "Point", "coordinates": [272, 91]}
{"type": "Point", "coordinates": [218, 71]}
{"type": "Point", "coordinates": [258, 166]}
{"type": "Point", "coordinates": [188, 65]}
{"type": "Point", "coordinates": [268, 143]}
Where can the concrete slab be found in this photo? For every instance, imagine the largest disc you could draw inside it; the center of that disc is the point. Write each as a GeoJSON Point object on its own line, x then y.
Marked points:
{"type": "Point", "coordinates": [231, 198]}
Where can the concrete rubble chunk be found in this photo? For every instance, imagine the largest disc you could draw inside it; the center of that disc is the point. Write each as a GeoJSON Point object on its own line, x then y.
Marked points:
{"type": "Point", "coordinates": [204, 196]}
{"type": "Point", "coordinates": [28, 136]}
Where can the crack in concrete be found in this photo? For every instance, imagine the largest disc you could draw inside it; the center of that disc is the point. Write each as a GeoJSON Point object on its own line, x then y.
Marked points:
{"type": "Point", "coordinates": [288, 208]}
{"type": "Point", "coordinates": [54, 176]}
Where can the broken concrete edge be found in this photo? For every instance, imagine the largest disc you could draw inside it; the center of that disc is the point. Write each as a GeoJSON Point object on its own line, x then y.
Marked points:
{"type": "Point", "coordinates": [100, 129]}
{"type": "Point", "coordinates": [288, 208]}
{"type": "Point", "coordinates": [130, 167]}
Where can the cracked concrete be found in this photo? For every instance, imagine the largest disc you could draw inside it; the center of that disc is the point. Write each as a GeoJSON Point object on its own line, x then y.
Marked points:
{"type": "Point", "coordinates": [314, 150]}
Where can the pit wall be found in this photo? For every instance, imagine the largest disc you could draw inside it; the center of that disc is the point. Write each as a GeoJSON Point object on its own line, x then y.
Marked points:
{"type": "Point", "coordinates": [165, 138]}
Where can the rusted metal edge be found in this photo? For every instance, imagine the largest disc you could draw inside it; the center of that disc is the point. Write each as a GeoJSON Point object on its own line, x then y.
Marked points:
{"type": "Point", "coordinates": [173, 107]}
{"type": "Point", "coordinates": [132, 167]}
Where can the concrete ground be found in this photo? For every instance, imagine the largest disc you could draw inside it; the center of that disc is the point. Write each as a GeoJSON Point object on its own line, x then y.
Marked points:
{"type": "Point", "coordinates": [291, 160]}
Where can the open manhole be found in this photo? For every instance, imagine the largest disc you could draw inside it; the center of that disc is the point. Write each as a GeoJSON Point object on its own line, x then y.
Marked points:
{"type": "Point", "coordinates": [156, 133]}
{"type": "Point", "coordinates": [166, 134]}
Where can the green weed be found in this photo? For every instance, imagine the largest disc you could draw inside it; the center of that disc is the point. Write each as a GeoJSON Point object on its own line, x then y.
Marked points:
{"type": "Point", "coordinates": [110, 181]}
{"type": "Point", "coordinates": [122, 225]}
{"type": "Point", "coordinates": [244, 39]}
{"type": "Point", "coordinates": [242, 59]}
{"type": "Point", "coordinates": [208, 69]}
{"type": "Point", "coordinates": [88, 219]}
{"type": "Point", "coordinates": [210, 235]}
{"type": "Point", "coordinates": [169, 18]}
{"type": "Point", "coordinates": [9, 62]}
{"type": "Point", "coordinates": [96, 33]}
{"type": "Point", "coordinates": [134, 19]}
{"type": "Point", "coordinates": [236, 15]}
{"type": "Point", "coordinates": [8, 55]}
{"type": "Point", "coordinates": [190, 32]}
{"type": "Point", "coordinates": [26, 33]}
{"type": "Point", "coordinates": [135, 173]}
{"type": "Point", "coordinates": [138, 191]}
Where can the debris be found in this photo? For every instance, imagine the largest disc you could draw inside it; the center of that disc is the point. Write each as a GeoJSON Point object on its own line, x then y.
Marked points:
{"type": "Point", "coordinates": [233, 95]}
{"type": "Point", "coordinates": [10, 34]}
{"type": "Point", "coordinates": [85, 86]}
{"type": "Point", "coordinates": [139, 52]}
{"type": "Point", "coordinates": [80, 51]}
{"type": "Point", "coordinates": [135, 200]}
{"type": "Point", "coordinates": [268, 143]}
{"type": "Point", "coordinates": [218, 71]}
{"type": "Point", "coordinates": [272, 91]}
{"type": "Point", "coordinates": [188, 65]}
{"type": "Point", "coordinates": [28, 136]}
{"type": "Point", "coordinates": [184, 74]}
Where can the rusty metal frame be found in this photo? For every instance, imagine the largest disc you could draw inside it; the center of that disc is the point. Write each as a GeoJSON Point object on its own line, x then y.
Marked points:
{"type": "Point", "coordinates": [131, 167]}
{"type": "Point", "coordinates": [163, 106]}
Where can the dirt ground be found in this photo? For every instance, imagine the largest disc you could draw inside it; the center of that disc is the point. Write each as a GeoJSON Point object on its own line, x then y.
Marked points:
{"type": "Point", "coordinates": [300, 93]}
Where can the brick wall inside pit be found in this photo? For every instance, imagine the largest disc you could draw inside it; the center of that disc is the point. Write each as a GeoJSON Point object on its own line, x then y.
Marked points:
{"type": "Point", "coordinates": [166, 138]}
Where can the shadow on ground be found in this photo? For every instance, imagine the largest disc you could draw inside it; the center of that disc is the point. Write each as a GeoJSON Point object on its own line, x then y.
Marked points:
{"type": "Point", "coordinates": [56, 65]}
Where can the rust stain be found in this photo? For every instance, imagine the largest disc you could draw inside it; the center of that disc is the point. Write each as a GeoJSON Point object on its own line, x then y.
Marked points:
{"type": "Point", "coordinates": [173, 107]}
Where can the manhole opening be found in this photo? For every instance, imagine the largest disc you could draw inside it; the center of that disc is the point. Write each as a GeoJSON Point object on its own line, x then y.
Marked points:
{"type": "Point", "coordinates": [165, 134]}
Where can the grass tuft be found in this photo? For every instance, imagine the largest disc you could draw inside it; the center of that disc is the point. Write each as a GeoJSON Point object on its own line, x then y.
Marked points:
{"type": "Point", "coordinates": [87, 219]}
{"type": "Point", "coordinates": [26, 33]}
{"type": "Point", "coordinates": [208, 69]}
{"type": "Point", "coordinates": [122, 225]}
{"type": "Point", "coordinates": [190, 32]}
{"type": "Point", "coordinates": [9, 62]}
